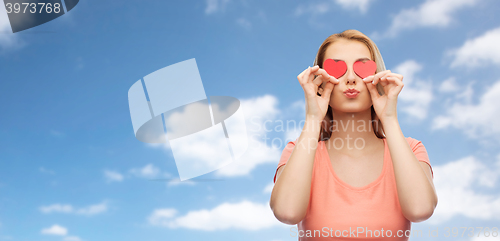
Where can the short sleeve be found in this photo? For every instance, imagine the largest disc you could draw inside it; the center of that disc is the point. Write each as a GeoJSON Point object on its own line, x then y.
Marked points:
{"type": "Point", "coordinates": [420, 152]}
{"type": "Point", "coordinates": [285, 155]}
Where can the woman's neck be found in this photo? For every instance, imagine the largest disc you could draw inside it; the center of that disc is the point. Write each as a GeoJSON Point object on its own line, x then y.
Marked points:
{"type": "Point", "coordinates": [353, 132]}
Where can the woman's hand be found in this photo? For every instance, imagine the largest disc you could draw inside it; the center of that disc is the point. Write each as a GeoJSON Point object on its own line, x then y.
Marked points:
{"type": "Point", "coordinates": [316, 106]}
{"type": "Point", "coordinates": [385, 106]}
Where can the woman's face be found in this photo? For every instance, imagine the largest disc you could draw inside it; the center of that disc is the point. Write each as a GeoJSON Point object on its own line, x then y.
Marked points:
{"type": "Point", "coordinates": [349, 51]}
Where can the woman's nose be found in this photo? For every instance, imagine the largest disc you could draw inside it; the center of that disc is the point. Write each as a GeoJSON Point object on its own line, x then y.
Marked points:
{"type": "Point", "coordinates": [351, 77]}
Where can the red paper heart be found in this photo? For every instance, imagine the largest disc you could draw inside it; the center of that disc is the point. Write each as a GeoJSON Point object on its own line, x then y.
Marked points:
{"type": "Point", "coordinates": [365, 69]}
{"type": "Point", "coordinates": [335, 68]}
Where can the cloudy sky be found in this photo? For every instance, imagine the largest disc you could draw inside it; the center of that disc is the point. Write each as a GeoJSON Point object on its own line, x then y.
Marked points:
{"type": "Point", "coordinates": [71, 168]}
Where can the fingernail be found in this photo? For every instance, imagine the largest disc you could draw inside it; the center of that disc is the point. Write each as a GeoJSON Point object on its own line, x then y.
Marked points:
{"type": "Point", "coordinates": [373, 82]}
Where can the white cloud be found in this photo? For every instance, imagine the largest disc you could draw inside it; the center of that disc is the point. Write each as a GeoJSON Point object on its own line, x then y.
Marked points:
{"type": "Point", "coordinates": [316, 8]}
{"type": "Point", "coordinates": [257, 154]}
{"type": "Point", "coordinates": [449, 85]}
{"type": "Point", "coordinates": [45, 170]}
{"type": "Point", "coordinates": [7, 38]}
{"type": "Point", "coordinates": [319, 8]}
{"type": "Point", "coordinates": [455, 182]}
{"type": "Point", "coordinates": [172, 182]}
{"type": "Point", "coordinates": [416, 94]}
{"type": "Point", "coordinates": [214, 6]}
{"type": "Point", "coordinates": [268, 188]}
{"type": "Point", "coordinates": [148, 171]}
{"type": "Point", "coordinates": [476, 120]}
{"type": "Point", "coordinates": [179, 182]}
{"type": "Point", "coordinates": [262, 118]}
{"type": "Point", "coordinates": [57, 208]}
{"type": "Point", "coordinates": [257, 111]}
{"type": "Point", "coordinates": [93, 209]}
{"type": "Point", "coordinates": [72, 238]}
{"type": "Point", "coordinates": [291, 135]}
{"type": "Point", "coordinates": [113, 176]}
{"type": "Point", "coordinates": [293, 128]}
{"type": "Point", "coordinates": [466, 95]}
{"type": "Point", "coordinates": [479, 51]}
{"type": "Point", "coordinates": [361, 5]}
{"type": "Point", "coordinates": [243, 22]}
{"type": "Point", "coordinates": [55, 230]}
{"type": "Point", "coordinates": [60, 231]}
{"type": "Point", "coordinates": [67, 208]}
{"type": "Point", "coordinates": [431, 13]}
{"type": "Point", "coordinates": [299, 105]}
{"type": "Point", "coordinates": [244, 215]}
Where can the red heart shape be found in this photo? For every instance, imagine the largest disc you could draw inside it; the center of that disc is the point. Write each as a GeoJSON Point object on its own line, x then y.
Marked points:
{"type": "Point", "coordinates": [365, 69]}
{"type": "Point", "coordinates": [335, 68]}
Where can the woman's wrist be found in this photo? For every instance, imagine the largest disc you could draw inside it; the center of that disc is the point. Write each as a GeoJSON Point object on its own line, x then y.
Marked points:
{"type": "Point", "coordinates": [314, 118]}
{"type": "Point", "coordinates": [389, 121]}
{"type": "Point", "coordinates": [312, 125]}
{"type": "Point", "coordinates": [310, 134]}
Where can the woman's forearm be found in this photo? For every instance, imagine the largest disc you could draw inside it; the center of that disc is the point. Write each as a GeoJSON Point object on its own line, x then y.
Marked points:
{"type": "Point", "coordinates": [416, 193]}
{"type": "Point", "coordinates": [290, 195]}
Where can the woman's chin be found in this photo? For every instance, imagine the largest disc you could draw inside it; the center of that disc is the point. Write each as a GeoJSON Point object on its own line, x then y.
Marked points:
{"type": "Point", "coordinates": [352, 107]}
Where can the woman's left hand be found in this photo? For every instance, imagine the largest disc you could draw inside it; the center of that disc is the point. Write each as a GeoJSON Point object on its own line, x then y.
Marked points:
{"type": "Point", "coordinates": [385, 105]}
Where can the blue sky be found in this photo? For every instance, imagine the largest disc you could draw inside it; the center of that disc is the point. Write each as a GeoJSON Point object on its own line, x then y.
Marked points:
{"type": "Point", "coordinates": [71, 168]}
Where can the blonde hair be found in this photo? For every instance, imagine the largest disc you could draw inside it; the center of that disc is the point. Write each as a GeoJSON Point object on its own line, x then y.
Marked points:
{"type": "Point", "coordinates": [355, 35]}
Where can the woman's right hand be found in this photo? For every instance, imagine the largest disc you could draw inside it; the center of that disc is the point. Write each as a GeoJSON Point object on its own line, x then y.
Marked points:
{"type": "Point", "coordinates": [292, 187]}
{"type": "Point", "coordinates": [316, 106]}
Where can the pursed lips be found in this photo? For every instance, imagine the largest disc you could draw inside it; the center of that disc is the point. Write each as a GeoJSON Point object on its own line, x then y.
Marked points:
{"type": "Point", "coordinates": [351, 91]}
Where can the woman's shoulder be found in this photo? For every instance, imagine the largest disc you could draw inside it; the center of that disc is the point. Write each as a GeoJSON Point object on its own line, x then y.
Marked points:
{"type": "Point", "coordinates": [291, 143]}
{"type": "Point", "coordinates": [413, 142]}
{"type": "Point", "coordinates": [409, 139]}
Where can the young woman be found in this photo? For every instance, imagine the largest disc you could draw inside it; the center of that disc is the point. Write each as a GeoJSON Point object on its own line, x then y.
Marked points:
{"type": "Point", "coordinates": [352, 174]}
